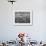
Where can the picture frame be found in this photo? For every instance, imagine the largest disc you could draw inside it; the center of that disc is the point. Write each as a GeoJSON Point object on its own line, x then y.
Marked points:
{"type": "Point", "coordinates": [23, 17]}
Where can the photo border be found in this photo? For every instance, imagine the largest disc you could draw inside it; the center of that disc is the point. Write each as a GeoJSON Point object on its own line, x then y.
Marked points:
{"type": "Point", "coordinates": [24, 24]}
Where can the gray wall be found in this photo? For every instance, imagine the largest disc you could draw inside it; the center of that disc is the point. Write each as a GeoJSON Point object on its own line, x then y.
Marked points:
{"type": "Point", "coordinates": [9, 31]}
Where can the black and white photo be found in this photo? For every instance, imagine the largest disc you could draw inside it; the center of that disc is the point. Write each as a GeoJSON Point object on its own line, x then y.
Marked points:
{"type": "Point", "coordinates": [22, 17]}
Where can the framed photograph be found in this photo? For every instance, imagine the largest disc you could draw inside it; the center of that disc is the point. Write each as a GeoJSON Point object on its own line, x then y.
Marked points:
{"type": "Point", "coordinates": [23, 17]}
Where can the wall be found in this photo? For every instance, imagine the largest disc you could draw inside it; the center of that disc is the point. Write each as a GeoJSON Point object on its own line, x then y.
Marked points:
{"type": "Point", "coordinates": [9, 31]}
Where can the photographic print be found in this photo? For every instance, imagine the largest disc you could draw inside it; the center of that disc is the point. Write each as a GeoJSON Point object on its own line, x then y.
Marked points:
{"type": "Point", "coordinates": [23, 18]}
